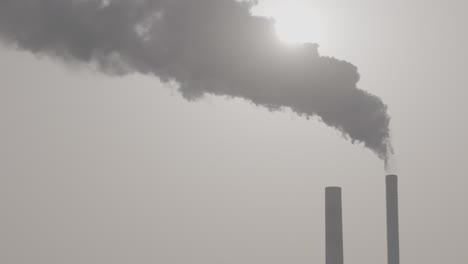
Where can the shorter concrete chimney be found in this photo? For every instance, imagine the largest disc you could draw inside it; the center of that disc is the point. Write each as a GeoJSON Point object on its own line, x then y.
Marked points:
{"type": "Point", "coordinates": [333, 226]}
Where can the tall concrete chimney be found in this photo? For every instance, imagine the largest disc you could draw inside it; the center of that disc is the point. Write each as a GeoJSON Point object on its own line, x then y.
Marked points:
{"type": "Point", "coordinates": [393, 240]}
{"type": "Point", "coordinates": [333, 226]}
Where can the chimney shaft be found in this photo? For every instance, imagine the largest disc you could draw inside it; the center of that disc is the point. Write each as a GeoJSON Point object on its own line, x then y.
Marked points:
{"type": "Point", "coordinates": [333, 226]}
{"type": "Point", "coordinates": [393, 247]}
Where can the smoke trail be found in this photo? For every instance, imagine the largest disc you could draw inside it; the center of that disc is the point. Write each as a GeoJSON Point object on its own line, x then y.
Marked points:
{"type": "Point", "coordinates": [390, 162]}
{"type": "Point", "coordinates": [207, 47]}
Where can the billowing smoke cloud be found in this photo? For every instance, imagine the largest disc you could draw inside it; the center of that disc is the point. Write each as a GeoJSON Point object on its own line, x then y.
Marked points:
{"type": "Point", "coordinates": [207, 47]}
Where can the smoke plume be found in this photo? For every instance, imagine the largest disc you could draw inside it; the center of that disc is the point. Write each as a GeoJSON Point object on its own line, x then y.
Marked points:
{"type": "Point", "coordinates": [208, 47]}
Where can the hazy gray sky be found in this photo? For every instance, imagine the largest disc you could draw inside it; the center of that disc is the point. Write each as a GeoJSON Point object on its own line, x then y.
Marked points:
{"type": "Point", "coordinates": [99, 169]}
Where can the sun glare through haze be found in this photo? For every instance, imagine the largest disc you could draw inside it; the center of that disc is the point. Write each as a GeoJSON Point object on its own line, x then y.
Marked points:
{"type": "Point", "coordinates": [295, 23]}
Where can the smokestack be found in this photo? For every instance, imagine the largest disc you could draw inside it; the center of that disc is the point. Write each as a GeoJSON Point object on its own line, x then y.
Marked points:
{"type": "Point", "coordinates": [393, 241]}
{"type": "Point", "coordinates": [333, 226]}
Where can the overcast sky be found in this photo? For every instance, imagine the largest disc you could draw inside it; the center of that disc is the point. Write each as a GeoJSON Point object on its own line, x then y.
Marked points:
{"type": "Point", "coordinates": [101, 169]}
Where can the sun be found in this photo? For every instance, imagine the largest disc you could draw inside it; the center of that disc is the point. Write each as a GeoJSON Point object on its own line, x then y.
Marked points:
{"type": "Point", "coordinates": [295, 23]}
{"type": "Point", "coordinates": [290, 32]}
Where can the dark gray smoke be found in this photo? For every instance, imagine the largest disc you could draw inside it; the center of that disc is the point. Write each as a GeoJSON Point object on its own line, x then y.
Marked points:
{"type": "Point", "coordinates": [208, 47]}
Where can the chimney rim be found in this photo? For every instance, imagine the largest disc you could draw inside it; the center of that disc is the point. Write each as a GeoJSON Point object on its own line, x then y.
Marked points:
{"type": "Point", "coordinates": [392, 177]}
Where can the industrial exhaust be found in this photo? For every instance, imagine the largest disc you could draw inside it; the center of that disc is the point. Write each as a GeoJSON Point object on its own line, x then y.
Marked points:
{"type": "Point", "coordinates": [334, 223]}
